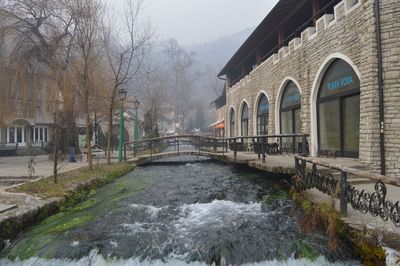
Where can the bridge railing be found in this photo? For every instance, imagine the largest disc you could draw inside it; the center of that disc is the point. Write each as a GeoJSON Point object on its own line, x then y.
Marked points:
{"type": "Point", "coordinates": [262, 145]}
{"type": "Point", "coordinates": [374, 203]}
{"type": "Point", "coordinates": [152, 146]}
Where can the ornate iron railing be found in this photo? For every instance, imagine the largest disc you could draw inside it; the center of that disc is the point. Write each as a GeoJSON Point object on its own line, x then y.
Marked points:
{"type": "Point", "coordinates": [262, 145]}
{"type": "Point", "coordinates": [374, 203]}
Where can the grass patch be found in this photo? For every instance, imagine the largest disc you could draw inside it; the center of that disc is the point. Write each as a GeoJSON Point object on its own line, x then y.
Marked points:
{"type": "Point", "coordinates": [275, 196]}
{"type": "Point", "coordinates": [304, 250]}
{"type": "Point", "coordinates": [324, 216]}
{"type": "Point", "coordinates": [69, 181]}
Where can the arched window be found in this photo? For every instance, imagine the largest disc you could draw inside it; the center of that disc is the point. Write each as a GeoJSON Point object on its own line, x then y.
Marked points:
{"type": "Point", "coordinates": [232, 124]}
{"type": "Point", "coordinates": [262, 115]}
{"type": "Point", "coordinates": [245, 120]}
{"type": "Point", "coordinates": [339, 111]}
{"type": "Point", "coordinates": [290, 120]}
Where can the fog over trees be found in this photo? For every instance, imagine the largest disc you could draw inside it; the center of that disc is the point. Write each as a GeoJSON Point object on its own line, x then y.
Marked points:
{"type": "Point", "coordinates": [184, 78]}
{"type": "Point", "coordinates": [76, 52]}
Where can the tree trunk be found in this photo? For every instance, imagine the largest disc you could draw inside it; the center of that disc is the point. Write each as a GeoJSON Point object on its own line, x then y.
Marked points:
{"type": "Point", "coordinates": [110, 125]}
{"type": "Point", "coordinates": [68, 118]}
{"type": "Point", "coordinates": [109, 136]}
{"type": "Point", "coordinates": [89, 146]}
{"type": "Point", "coordinates": [55, 158]}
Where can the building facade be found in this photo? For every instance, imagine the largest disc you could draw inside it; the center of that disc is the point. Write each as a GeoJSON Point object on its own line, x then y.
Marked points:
{"type": "Point", "coordinates": [24, 119]}
{"type": "Point", "coordinates": [218, 126]}
{"type": "Point", "coordinates": [322, 79]}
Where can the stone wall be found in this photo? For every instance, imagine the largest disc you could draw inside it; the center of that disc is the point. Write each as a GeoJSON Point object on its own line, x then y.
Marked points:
{"type": "Point", "coordinates": [220, 113]}
{"type": "Point", "coordinates": [390, 33]}
{"type": "Point", "coordinates": [348, 34]}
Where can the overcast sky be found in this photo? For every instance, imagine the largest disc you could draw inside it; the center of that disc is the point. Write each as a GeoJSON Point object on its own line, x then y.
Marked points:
{"type": "Point", "coordinates": [197, 21]}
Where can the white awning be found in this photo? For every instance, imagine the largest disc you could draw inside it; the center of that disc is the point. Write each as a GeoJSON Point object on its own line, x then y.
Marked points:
{"type": "Point", "coordinates": [216, 123]}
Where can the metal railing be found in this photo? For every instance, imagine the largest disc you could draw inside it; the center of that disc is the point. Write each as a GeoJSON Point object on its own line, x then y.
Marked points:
{"type": "Point", "coordinates": [153, 146]}
{"type": "Point", "coordinates": [262, 145]}
{"type": "Point", "coordinates": [374, 203]}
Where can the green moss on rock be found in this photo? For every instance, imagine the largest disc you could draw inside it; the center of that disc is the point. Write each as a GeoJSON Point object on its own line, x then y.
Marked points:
{"type": "Point", "coordinates": [324, 215]}
{"type": "Point", "coordinates": [275, 196]}
{"type": "Point", "coordinates": [305, 251]}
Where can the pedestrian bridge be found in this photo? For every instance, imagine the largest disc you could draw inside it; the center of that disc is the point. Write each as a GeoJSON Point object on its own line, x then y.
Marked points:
{"type": "Point", "coordinates": [251, 147]}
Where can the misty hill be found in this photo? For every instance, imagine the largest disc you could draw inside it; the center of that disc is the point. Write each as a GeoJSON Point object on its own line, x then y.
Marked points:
{"type": "Point", "coordinates": [216, 53]}
{"type": "Point", "coordinates": [209, 58]}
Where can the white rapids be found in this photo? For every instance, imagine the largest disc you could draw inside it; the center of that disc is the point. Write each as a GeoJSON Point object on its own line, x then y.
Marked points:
{"type": "Point", "coordinates": [94, 259]}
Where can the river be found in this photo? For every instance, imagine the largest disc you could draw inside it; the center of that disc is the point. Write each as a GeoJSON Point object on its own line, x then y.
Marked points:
{"type": "Point", "coordinates": [177, 212]}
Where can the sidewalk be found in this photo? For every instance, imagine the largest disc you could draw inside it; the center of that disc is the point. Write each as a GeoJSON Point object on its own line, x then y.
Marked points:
{"type": "Point", "coordinates": [14, 171]}
{"type": "Point", "coordinates": [16, 167]}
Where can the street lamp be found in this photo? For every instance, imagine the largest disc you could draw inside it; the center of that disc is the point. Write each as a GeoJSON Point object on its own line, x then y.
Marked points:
{"type": "Point", "coordinates": [122, 96]}
{"type": "Point", "coordinates": [136, 133]}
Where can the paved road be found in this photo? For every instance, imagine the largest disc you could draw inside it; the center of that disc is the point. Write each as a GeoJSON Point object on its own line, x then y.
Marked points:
{"type": "Point", "coordinates": [14, 170]}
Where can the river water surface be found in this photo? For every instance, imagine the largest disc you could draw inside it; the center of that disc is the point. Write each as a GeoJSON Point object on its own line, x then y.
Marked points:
{"type": "Point", "coordinates": [181, 212]}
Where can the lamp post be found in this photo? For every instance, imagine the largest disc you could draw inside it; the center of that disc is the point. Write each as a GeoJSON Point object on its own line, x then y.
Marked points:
{"type": "Point", "coordinates": [122, 96]}
{"type": "Point", "coordinates": [136, 133]}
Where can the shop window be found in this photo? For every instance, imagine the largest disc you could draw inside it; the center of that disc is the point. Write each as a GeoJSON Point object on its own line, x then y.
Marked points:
{"type": "Point", "coordinates": [262, 116]}
{"type": "Point", "coordinates": [290, 119]}
{"type": "Point", "coordinates": [339, 111]}
{"type": "Point", "coordinates": [245, 121]}
{"type": "Point", "coordinates": [232, 124]}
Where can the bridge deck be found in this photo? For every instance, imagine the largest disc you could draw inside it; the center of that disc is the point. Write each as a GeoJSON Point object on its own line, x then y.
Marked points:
{"type": "Point", "coordinates": [273, 163]}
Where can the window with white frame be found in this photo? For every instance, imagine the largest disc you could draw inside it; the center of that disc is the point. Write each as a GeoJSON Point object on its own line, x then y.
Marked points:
{"type": "Point", "coordinates": [16, 134]}
{"type": "Point", "coordinates": [40, 134]}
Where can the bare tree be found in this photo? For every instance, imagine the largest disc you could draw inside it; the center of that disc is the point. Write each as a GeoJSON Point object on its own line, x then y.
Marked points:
{"type": "Point", "coordinates": [41, 34]}
{"type": "Point", "coordinates": [86, 15]}
{"type": "Point", "coordinates": [153, 90]}
{"type": "Point", "coordinates": [58, 156]}
{"type": "Point", "coordinates": [211, 81]}
{"type": "Point", "coordinates": [181, 79]}
{"type": "Point", "coordinates": [2, 76]}
{"type": "Point", "coordinates": [124, 50]}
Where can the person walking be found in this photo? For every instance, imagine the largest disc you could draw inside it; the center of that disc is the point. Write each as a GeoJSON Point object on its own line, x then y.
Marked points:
{"type": "Point", "coordinates": [72, 152]}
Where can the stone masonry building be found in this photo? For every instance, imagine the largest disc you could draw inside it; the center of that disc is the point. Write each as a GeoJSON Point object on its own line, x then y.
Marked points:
{"type": "Point", "coordinates": [313, 67]}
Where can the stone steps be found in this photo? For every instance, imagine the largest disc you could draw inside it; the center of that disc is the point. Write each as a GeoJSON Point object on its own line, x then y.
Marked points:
{"type": "Point", "coordinates": [9, 198]}
{"type": "Point", "coordinates": [12, 181]}
{"type": "Point", "coordinates": [15, 180]}
{"type": "Point", "coordinates": [7, 207]}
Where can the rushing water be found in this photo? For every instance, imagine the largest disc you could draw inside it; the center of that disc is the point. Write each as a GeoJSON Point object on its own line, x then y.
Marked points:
{"type": "Point", "coordinates": [193, 213]}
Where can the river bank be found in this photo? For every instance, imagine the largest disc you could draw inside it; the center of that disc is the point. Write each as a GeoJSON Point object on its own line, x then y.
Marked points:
{"type": "Point", "coordinates": [39, 199]}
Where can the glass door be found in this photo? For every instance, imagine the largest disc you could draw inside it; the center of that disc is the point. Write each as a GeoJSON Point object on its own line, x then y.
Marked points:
{"type": "Point", "coordinates": [329, 127]}
{"type": "Point", "coordinates": [351, 126]}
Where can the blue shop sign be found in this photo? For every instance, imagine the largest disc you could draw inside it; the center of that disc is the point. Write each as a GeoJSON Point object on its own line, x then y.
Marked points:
{"type": "Point", "coordinates": [293, 98]}
{"type": "Point", "coordinates": [340, 83]}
